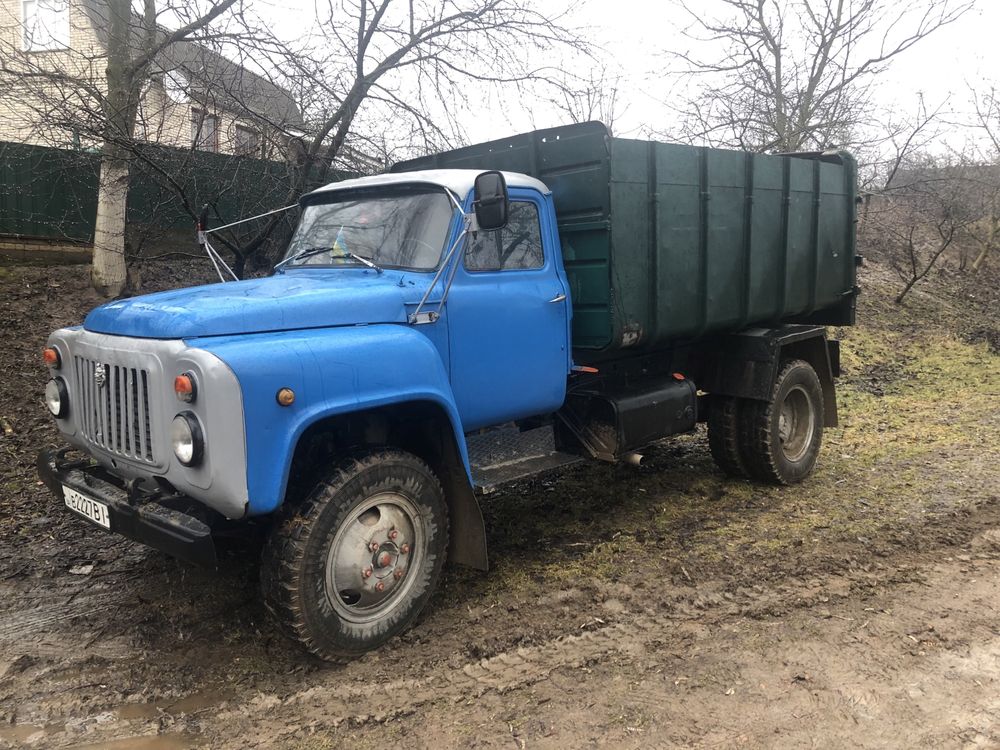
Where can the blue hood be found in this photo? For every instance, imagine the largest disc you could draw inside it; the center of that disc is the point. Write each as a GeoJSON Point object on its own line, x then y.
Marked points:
{"type": "Point", "coordinates": [308, 299]}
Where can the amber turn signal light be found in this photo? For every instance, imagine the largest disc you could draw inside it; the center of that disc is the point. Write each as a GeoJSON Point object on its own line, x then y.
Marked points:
{"type": "Point", "coordinates": [285, 396]}
{"type": "Point", "coordinates": [51, 357]}
{"type": "Point", "coordinates": [184, 387]}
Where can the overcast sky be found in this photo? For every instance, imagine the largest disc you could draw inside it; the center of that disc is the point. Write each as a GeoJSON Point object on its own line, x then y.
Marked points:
{"type": "Point", "coordinates": [636, 35]}
{"type": "Point", "coordinates": [638, 31]}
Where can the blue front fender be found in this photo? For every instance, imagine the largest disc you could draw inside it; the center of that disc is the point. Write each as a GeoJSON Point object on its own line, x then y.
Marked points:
{"type": "Point", "coordinates": [332, 371]}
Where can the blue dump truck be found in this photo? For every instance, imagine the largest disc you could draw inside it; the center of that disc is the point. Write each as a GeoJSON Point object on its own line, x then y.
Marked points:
{"type": "Point", "coordinates": [466, 320]}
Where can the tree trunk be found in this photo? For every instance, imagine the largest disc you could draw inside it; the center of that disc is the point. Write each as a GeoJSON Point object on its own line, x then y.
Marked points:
{"type": "Point", "coordinates": [239, 265]}
{"type": "Point", "coordinates": [991, 239]}
{"type": "Point", "coordinates": [978, 262]}
{"type": "Point", "coordinates": [906, 289]}
{"type": "Point", "coordinates": [109, 273]}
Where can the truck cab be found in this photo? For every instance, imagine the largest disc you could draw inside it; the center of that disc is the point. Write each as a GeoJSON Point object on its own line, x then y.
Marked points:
{"type": "Point", "coordinates": [193, 405]}
{"type": "Point", "coordinates": [416, 348]}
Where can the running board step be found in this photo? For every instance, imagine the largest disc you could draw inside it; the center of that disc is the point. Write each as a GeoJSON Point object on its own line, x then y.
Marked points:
{"type": "Point", "coordinates": [505, 454]}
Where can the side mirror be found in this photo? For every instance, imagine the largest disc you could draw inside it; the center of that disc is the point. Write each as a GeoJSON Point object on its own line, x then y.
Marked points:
{"type": "Point", "coordinates": [490, 201]}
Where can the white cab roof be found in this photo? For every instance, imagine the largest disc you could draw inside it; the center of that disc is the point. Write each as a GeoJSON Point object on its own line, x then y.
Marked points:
{"type": "Point", "coordinates": [459, 181]}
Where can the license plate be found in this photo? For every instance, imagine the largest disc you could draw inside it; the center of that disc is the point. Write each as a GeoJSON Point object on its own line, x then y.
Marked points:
{"type": "Point", "coordinates": [86, 507]}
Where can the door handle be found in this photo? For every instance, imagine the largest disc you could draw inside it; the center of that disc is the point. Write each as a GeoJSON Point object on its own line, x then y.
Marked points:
{"type": "Point", "coordinates": [558, 298]}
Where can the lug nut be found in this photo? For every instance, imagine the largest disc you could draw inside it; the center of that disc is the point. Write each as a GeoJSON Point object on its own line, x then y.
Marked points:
{"type": "Point", "coordinates": [379, 586]}
{"type": "Point", "coordinates": [393, 534]}
{"type": "Point", "coordinates": [405, 549]}
{"type": "Point", "coordinates": [366, 573]}
{"type": "Point", "coordinates": [373, 546]}
{"type": "Point", "coordinates": [399, 573]}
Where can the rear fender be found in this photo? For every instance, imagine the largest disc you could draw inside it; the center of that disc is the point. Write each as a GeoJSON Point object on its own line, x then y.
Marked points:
{"type": "Point", "coordinates": [745, 364]}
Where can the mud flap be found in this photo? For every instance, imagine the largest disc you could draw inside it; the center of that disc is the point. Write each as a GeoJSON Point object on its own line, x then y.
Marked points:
{"type": "Point", "coordinates": [467, 545]}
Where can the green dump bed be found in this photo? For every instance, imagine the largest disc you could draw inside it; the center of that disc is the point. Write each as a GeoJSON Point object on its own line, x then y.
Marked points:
{"type": "Point", "coordinates": [664, 242]}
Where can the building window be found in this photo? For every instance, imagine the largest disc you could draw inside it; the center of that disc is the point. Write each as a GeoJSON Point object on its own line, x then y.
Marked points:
{"type": "Point", "coordinates": [247, 141]}
{"type": "Point", "coordinates": [45, 25]}
{"type": "Point", "coordinates": [204, 130]}
{"type": "Point", "coordinates": [516, 247]}
{"type": "Point", "coordinates": [176, 86]}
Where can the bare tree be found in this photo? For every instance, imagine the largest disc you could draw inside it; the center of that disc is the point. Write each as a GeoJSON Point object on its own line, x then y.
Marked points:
{"type": "Point", "coordinates": [930, 206]}
{"type": "Point", "coordinates": [128, 66]}
{"type": "Point", "coordinates": [96, 93]}
{"type": "Point", "coordinates": [895, 142]}
{"type": "Point", "coordinates": [792, 75]}
{"type": "Point", "coordinates": [594, 96]}
{"type": "Point", "coordinates": [378, 71]}
{"type": "Point", "coordinates": [987, 121]}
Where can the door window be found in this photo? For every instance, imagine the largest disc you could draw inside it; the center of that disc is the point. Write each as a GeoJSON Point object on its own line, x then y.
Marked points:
{"type": "Point", "coordinates": [518, 246]}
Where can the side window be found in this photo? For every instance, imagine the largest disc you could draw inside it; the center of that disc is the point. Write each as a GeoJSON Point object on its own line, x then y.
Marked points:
{"type": "Point", "coordinates": [518, 246]}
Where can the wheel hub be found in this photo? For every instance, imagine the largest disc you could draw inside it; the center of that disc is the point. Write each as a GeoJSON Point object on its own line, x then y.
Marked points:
{"type": "Point", "coordinates": [369, 557]}
{"type": "Point", "coordinates": [796, 423]}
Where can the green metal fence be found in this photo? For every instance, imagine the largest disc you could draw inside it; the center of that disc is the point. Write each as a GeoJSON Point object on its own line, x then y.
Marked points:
{"type": "Point", "coordinates": [52, 193]}
{"type": "Point", "coordinates": [47, 192]}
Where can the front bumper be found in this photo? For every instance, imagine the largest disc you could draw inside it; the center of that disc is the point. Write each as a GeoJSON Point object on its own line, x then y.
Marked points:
{"type": "Point", "coordinates": [169, 522]}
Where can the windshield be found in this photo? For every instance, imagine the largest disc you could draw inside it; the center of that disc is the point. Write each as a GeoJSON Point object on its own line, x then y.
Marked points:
{"type": "Point", "coordinates": [398, 230]}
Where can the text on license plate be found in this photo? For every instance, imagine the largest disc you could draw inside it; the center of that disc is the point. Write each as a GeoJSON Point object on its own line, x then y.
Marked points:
{"type": "Point", "coordinates": [95, 511]}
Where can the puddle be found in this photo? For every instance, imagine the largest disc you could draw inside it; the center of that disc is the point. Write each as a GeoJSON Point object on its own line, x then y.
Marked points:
{"type": "Point", "coordinates": [175, 706]}
{"type": "Point", "coordinates": [144, 742]}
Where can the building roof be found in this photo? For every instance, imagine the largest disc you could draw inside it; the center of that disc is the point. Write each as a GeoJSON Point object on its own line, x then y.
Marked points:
{"type": "Point", "coordinates": [212, 79]}
{"type": "Point", "coordinates": [219, 81]}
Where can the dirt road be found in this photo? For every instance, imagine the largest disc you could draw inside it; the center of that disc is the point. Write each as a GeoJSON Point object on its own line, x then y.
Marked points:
{"type": "Point", "coordinates": [899, 652]}
{"type": "Point", "coordinates": [913, 662]}
{"type": "Point", "coordinates": [660, 606]}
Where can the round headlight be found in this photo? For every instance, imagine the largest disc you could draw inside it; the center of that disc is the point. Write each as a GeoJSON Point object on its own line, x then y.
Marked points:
{"type": "Point", "coordinates": [187, 439]}
{"type": "Point", "coordinates": [57, 397]}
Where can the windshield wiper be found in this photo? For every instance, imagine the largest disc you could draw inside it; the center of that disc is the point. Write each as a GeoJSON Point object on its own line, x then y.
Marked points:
{"type": "Point", "coordinates": [307, 253]}
{"type": "Point", "coordinates": [311, 251]}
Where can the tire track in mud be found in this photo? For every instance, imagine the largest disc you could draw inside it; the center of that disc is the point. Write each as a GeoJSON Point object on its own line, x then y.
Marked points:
{"type": "Point", "coordinates": [348, 698]}
{"type": "Point", "coordinates": [362, 702]}
{"type": "Point", "coordinates": [275, 721]}
{"type": "Point", "coordinates": [23, 618]}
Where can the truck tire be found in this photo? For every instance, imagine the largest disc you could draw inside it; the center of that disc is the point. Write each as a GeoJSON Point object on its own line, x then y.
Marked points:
{"type": "Point", "coordinates": [354, 563]}
{"type": "Point", "coordinates": [724, 435]}
{"type": "Point", "coordinates": [780, 438]}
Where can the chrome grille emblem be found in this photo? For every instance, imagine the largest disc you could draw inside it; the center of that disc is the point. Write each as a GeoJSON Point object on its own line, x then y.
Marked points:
{"type": "Point", "coordinates": [100, 376]}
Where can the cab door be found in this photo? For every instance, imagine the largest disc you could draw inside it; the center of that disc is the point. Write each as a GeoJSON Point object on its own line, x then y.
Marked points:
{"type": "Point", "coordinates": [508, 318]}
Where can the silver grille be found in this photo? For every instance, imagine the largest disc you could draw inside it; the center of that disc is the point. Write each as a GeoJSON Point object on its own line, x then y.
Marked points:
{"type": "Point", "coordinates": [113, 408]}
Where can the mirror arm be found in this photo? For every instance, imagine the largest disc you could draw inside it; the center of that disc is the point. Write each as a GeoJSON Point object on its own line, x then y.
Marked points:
{"type": "Point", "coordinates": [468, 223]}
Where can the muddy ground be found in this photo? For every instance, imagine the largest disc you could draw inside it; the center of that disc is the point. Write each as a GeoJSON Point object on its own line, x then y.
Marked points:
{"type": "Point", "coordinates": [659, 606]}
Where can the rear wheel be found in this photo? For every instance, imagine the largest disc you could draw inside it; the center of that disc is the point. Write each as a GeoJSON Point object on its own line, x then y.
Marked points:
{"type": "Point", "coordinates": [724, 434]}
{"type": "Point", "coordinates": [354, 563]}
{"type": "Point", "coordinates": [780, 439]}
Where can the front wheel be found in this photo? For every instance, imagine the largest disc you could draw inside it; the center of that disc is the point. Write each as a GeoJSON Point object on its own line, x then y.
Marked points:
{"type": "Point", "coordinates": [780, 438]}
{"type": "Point", "coordinates": [354, 563]}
